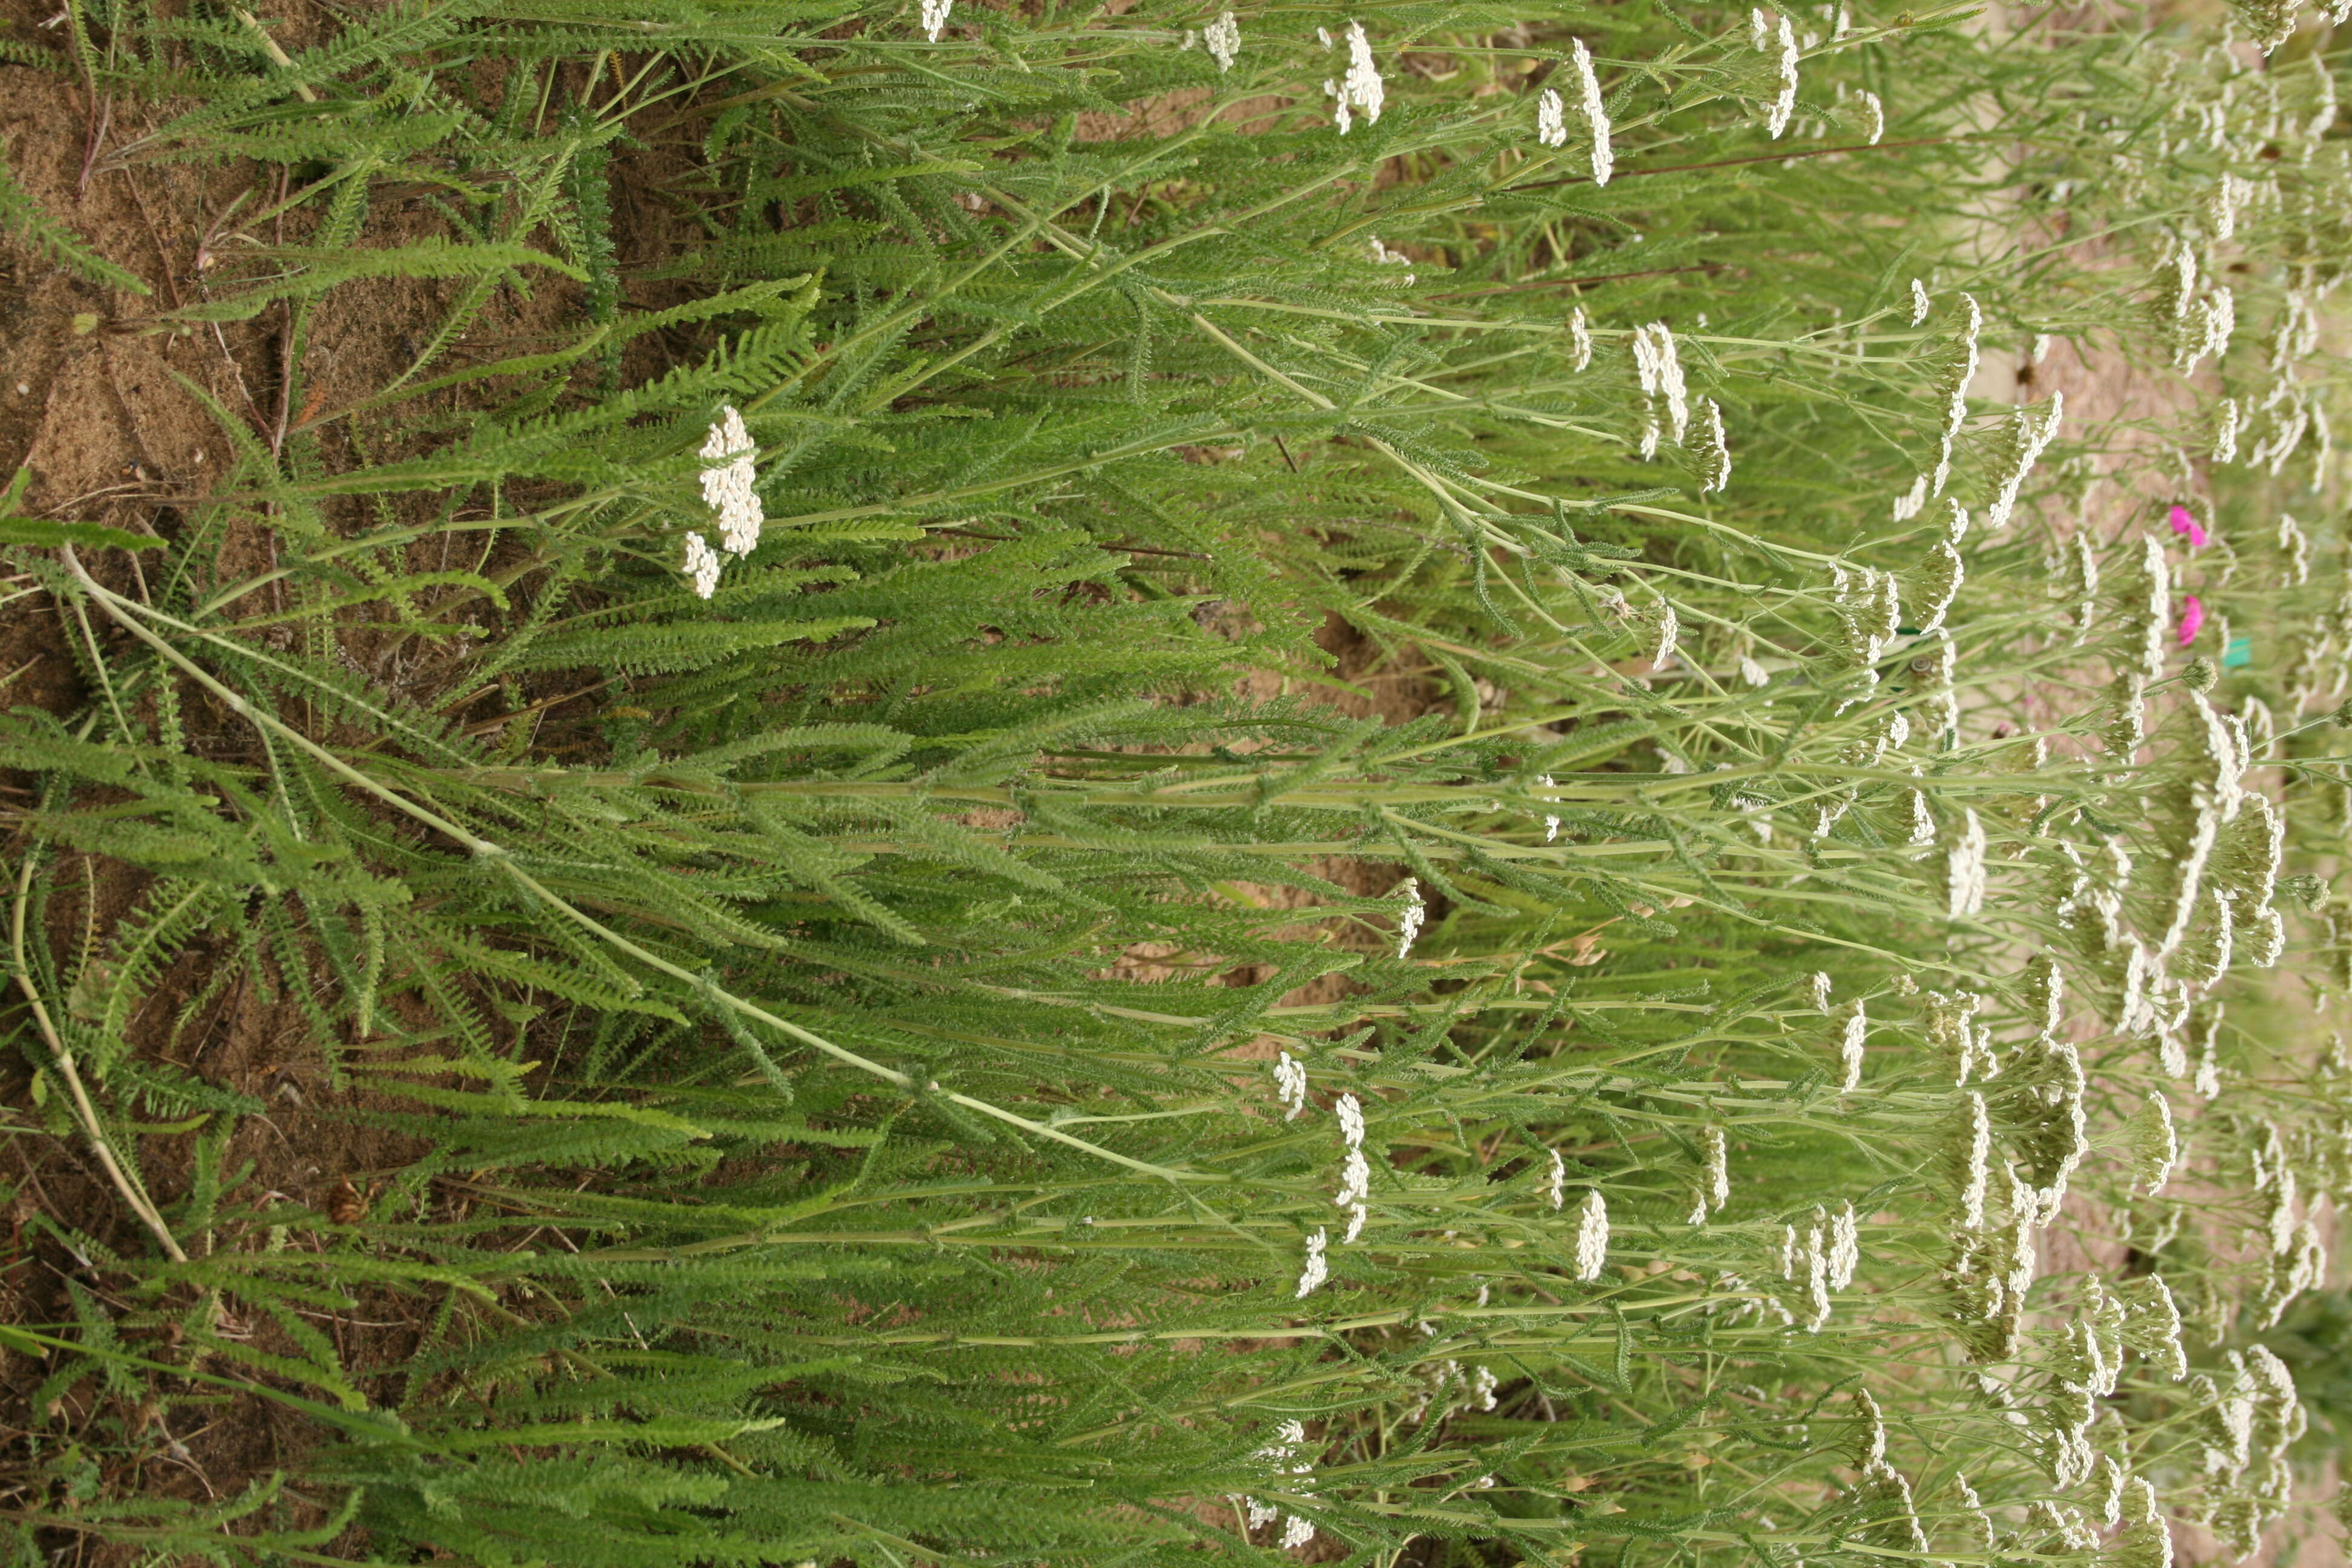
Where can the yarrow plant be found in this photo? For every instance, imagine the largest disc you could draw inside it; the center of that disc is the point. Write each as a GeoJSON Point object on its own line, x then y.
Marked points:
{"type": "Point", "coordinates": [1227, 627]}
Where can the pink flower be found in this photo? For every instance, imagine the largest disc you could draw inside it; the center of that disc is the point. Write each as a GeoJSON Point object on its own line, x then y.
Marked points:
{"type": "Point", "coordinates": [2184, 522]}
{"type": "Point", "coordinates": [2192, 617]}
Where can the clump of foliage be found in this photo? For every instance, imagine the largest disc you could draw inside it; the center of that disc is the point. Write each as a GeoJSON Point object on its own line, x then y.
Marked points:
{"type": "Point", "coordinates": [914, 1065]}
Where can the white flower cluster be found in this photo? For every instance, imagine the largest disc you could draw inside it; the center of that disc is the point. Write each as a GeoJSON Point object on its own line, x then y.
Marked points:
{"type": "Point", "coordinates": [701, 566]}
{"type": "Point", "coordinates": [730, 472]}
{"type": "Point", "coordinates": [1964, 869]}
{"type": "Point", "coordinates": [1414, 916]}
{"type": "Point", "coordinates": [1956, 396]}
{"type": "Point", "coordinates": [1591, 1236]}
{"type": "Point", "coordinates": [1663, 390]}
{"type": "Point", "coordinates": [935, 18]}
{"type": "Point", "coordinates": [1551, 824]}
{"type": "Point", "coordinates": [1776, 115]}
{"type": "Point", "coordinates": [1595, 110]}
{"type": "Point", "coordinates": [1290, 1086]}
{"type": "Point", "coordinates": [1556, 1184]}
{"type": "Point", "coordinates": [1361, 88]}
{"type": "Point", "coordinates": [2028, 440]}
{"type": "Point", "coordinates": [1921, 303]}
{"type": "Point", "coordinates": [1224, 38]}
{"type": "Point", "coordinates": [1355, 1171]}
{"type": "Point", "coordinates": [1551, 121]}
{"type": "Point", "coordinates": [1284, 1457]}
{"type": "Point", "coordinates": [1870, 611]}
{"type": "Point", "coordinates": [1940, 576]}
{"type": "Point", "coordinates": [1315, 1270]}
{"type": "Point", "coordinates": [1666, 630]}
{"type": "Point", "coordinates": [1874, 116]}
{"type": "Point", "coordinates": [1714, 1188]}
{"type": "Point", "coordinates": [1713, 451]}
{"type": "Point", "coordinates": [1851, 1041]}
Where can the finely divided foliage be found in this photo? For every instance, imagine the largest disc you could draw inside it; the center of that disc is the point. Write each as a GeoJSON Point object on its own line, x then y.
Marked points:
{"type": "Point", "coordinates": [1803, 1052]}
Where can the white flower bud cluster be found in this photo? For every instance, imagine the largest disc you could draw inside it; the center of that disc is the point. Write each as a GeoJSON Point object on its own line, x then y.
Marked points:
{"type": "Point", "coordinates": [701, 566]}
{"type": "Point", "coordinates": [2028, 441]}
{"type": "Point", "coordinates": [730, 471]}
{"type": "Point", "coordinates": [1971, 1155]}
{"type": "Point", "coordinates": [2154, 1146]}
{"type": "Point", "coordinates": [1784, 104]}
{"type": "Point", "coordinates": [1873, 117]}
{"type": "Point", "coordinates": [2297, 545]}
{"type": "Point", "coordinates": [2152, 1325]}
{"type": "Point", "coordinates": [1663, 390]}
{"type": "Point", "coordinates": [1939, 579]}
{"type": "Point", "coordinates": [1355, 1171]}
{"type": "Point", "coordinates": [1556, 1184]}
{"type": "Point", "coordinates": [1956, 394]}
{"type": "Point", "coordinates": [1992, 1271]}
{"type": "Point", "coordinates": [1361, 88]}
{"type": "Point", "coordinates": [2147, 1538]}
{"type": "Point", "coordinates": [1920, 302]}
{"type": "Point", "coordinates": [2082, 577]}
{"type": "Point", "coordinates": [1664, 628]}
{"type": "Point", "coordinates": [1224, 40]}
{"type": "Point", "coordinates": [1580, 340]}
{"type": "Point", "coordinates": [1870, 612]}
{"type": "Point", "coordinates": [2298, 1259]}
{"type": "Point", "coordinates": [1852, 1040]}
{"type": "Point", "coordinates": [1591, 1236]}
{"type": "Point", "coordinates": [1551, 119]}
{"type": "Point", "coordinates": [1913, 501]}
{"type": "Point", "coordinates": [2151, 621]}
{"type": "Point", "coordinates": [1714, 450]}
{"type": "Point", "coordinates": [1964, 869]}
{"type": "Point", "coordinates": [1595, 110]}
{"type": "Point", "coordinates": [935, 18]}
{"type": "Point", "coordinates": [1413, 917]}
{"type": "Point", "coordinates": [1714, 1188]}
{"type": "Point", "coordinates": [1884, 1497]}
{"type": "Point", "coordinates": [2229, 421]}
{"type": "Point", "coordinates": [1285, 1456]}
{"type": "Point", "coordinates": [1316, 1269]}
{"type": "Point", "coordinates": [1290, 1086]}
{"type": "Point", "coordinates": [1938, 668]}
{"type": "Point", "coordinates": [1551, 824]}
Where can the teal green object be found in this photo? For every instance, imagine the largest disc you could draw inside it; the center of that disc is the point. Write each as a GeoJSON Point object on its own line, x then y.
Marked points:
{"type": "Point", "coordinates": [2240, 653]}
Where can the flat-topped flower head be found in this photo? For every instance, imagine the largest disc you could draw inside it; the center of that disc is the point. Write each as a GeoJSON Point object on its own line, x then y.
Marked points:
{"type": "Point", "coordinates": [730, 473]}
{"type": "Point", "coordinates": [1853, 1046]}
{"type": "Point", "coordinates": [1223, 39]}
{"type": "Point", "coordinates": [935, 18]}
{"type": "Point", "coordinates": [701, 566]}
{"type": "Point", "coordinates": [1595, 110]}
{"type": "Point", "coordinates": [1290, 1086]}
{"type": "Point", "coordinates": [1362, 89]}
{"type": "Point", "coordinates": [1315, 1270]}
{"type": "Point", "coordinates": [1409, 924]}
{"type": "Point", "coordinates": [1777, 113]}
{"type": "Point", "coordinates": [1551, 122]}
{"type": "Point", "coordinates": [1591, 1236]}
{"type": "Point", "coordinates": [1350, 1112]}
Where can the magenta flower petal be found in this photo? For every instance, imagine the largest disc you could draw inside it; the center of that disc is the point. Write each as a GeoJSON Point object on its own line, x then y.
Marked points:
{"type": "Point", "coordinates": [2185, 521]}
{"type": "Point", "coordinates": [2192, 617]}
